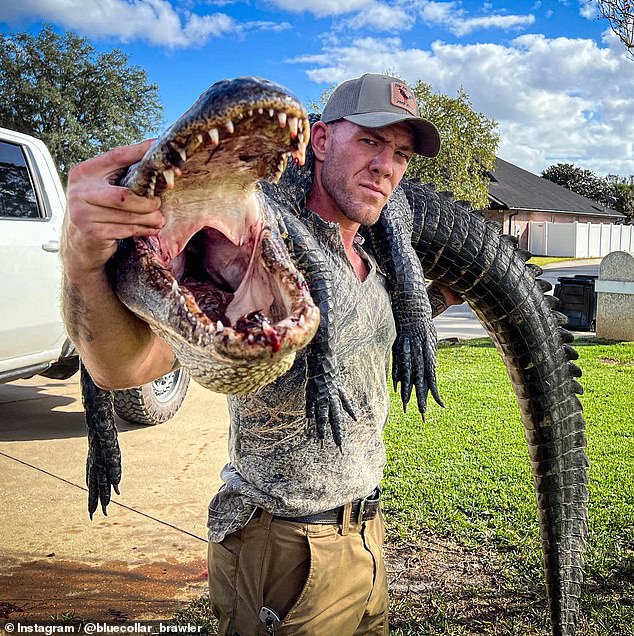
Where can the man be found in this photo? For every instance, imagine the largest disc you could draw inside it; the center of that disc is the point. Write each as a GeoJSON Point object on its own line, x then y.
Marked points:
{"type": "Point", "coordinates": [295, 532]}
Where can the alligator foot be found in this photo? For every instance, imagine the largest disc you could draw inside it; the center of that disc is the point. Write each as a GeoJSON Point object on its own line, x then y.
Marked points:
{"type": "Point", "coordinates": [326, 400]}
{"type": "Point", "coordinates": [413, 365]}
{"type": "Point", "coordinates": [103, 465]}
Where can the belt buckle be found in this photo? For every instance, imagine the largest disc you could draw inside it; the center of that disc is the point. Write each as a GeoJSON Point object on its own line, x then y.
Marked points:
{"type": "Point", "coordinates": [361, 510]}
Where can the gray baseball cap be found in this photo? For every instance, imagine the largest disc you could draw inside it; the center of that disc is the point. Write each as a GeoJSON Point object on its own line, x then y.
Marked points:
{"type": "Point", "coordinates": [374, 100]}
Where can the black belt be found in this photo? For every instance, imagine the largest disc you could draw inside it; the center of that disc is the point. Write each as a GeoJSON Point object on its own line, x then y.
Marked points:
{"type": "Point", "coordinates": [362, 510]}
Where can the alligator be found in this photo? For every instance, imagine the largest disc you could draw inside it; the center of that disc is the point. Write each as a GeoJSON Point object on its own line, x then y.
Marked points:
{"type": "Point", "coordinates": [420, 230]}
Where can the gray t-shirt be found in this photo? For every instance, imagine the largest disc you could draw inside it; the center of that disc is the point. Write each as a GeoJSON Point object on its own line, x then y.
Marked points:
{"type": "Point", "coordinates": [276, 460]}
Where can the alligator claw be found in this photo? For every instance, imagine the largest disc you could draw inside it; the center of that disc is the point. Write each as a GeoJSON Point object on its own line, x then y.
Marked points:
{"type": "Point", "coordinates": [326, 400]}
{"type": "Point", "coordinates": [412, 365]}
{"type": "Point", "coordinates": [103, 465]}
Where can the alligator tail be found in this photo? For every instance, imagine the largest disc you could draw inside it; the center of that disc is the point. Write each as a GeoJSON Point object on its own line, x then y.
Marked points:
{"type": "Point", "coordinates": [460, 248]}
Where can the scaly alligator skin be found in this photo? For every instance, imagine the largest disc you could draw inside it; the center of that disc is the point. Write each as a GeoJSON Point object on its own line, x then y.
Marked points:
{"type": "Point", "coordinates": [414, 351]}
{"type": "Point", "coordinates": [461, 249]}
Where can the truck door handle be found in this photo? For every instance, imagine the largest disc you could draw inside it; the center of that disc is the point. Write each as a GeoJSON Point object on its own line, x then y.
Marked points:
{"type": "Point", "coordinates": [51, 246]}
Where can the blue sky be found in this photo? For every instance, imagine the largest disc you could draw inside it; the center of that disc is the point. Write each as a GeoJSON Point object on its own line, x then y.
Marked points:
{"type": "Point", "coordinates": [560, 85]}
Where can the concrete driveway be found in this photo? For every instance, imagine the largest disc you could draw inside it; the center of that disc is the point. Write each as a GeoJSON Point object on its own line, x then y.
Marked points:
{"type": "Point", "coordinates": [142, 561]}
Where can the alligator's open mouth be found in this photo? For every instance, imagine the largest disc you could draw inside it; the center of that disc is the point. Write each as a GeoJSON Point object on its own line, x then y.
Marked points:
{"type": "Point", "coordinates": [218, 264]}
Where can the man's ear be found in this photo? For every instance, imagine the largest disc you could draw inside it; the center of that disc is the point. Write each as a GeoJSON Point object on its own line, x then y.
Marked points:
{"type": "Point", "coordinates": [319, 135]}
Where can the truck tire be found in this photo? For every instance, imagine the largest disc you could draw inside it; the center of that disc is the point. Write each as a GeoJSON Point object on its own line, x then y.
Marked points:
{"type": "Point", "coordinates": [155, 402]}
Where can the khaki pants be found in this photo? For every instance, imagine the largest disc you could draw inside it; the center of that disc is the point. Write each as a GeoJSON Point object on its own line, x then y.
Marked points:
{"type": "Point", "coordinates": [321, 580]}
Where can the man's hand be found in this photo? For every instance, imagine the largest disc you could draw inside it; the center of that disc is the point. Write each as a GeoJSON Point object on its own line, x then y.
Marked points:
{"type": "Point", "coordinates": [100, 212]}
{"type": "Point", "coordinates": [451, 297]}
{"type": "Point", "coordinates": [441, 297]}
{"type": "Point", "coordinates": [117, 348]}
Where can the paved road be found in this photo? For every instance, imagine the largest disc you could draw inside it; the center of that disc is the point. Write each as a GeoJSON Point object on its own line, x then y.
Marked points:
{"type": "Point", "coordinates": [459, 322]}
{"type": "Point", "coordinates": [130, 563]}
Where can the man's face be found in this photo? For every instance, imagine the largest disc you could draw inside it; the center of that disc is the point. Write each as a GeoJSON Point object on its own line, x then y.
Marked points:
{"type": "Point", "coordinates": [362, 166]}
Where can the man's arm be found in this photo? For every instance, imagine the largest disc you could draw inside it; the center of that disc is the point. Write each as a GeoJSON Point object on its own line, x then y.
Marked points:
{"type": "Point", "coordinates": [441, 297]}
{"type": "Point", "coordinates": [117, 348]}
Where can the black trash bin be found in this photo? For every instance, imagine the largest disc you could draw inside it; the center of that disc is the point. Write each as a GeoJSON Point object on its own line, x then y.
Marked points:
{"type": "Point", "coordinates": [578, 301]}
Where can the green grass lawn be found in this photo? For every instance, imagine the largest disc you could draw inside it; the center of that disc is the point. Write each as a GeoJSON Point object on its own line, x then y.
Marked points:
{"type": "Point", "coordinates": [464, 475]}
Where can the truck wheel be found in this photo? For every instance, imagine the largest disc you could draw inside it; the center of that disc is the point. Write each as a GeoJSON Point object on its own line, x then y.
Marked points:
{"type": "Point", "coordinates": [155, 402]}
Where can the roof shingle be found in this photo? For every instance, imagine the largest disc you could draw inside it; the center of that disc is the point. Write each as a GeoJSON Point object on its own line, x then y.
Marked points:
{"type": "Point", "coordinates": [514, 188]}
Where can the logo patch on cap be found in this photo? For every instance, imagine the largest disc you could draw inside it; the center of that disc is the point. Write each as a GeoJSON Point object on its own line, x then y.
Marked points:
{"type": "Point", "coordinates": [403, 97]}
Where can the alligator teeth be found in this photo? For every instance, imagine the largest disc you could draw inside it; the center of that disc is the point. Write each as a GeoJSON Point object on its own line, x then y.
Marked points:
{"type": "Point", "coordinates": [302, 321]}
{"type": "Point", "coordinates": [300, 153]}
{"type": "Point", "coordinates": [181, 300]}
{"type": "Point", "coordinates": [293, 124]}
{"type": "Point", "coordinates": [168, 175]}
{"type": "Point", "coordinates": [181, 151]}
{"type": "Point", "coordinates": [214, 135]}
{"type": "Point", "coordinates": [250, 339]}
{"type": "Point", "coordinates": [219, 326]}
{"type": "Point", "coordinates": [266, 328]}
{"type": "Point", "coordinates": [229, 126]}
{"type": "Point", "coordinates": [200, 138]}
{"type": "Point", "coordinates": [250, 113]}
{"type": "Point", "coordinates": [281, 117]}
{"type": "Point", "coordinates": [260, 110]}
{"type": "Point", "coordinates": [175, 288]}
{"type": "Point", "coordinates": [271, 112]}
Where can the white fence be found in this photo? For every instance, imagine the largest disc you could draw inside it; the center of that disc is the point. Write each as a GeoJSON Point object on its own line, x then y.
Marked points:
{"type": "Point", "coordinates": [579, 240]}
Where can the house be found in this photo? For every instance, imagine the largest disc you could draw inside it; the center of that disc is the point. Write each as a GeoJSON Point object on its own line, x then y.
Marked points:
{"type": "Point", "coordinates": [517, 197]}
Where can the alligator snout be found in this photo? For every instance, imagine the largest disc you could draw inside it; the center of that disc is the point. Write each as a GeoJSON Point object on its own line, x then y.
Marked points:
{"type": "Point", "coordinates": [220, 261]}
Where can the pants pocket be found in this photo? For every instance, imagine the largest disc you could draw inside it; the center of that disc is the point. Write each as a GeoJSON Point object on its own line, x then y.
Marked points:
{"type": "Point", "coordinates": [223, 567]}
{"type": "Point", "coordinates": [285, 568]}
{"type": "Point", "coordinates": [339, 582]}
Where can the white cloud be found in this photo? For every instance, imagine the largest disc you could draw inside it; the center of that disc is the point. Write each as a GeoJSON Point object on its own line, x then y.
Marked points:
{"type": "Point", "coordinates": [381, 17]}
{"type": "Point", "coordinates": [153, 21]}
{"type": "Point", "coordinates": [588, 9]}
{"type": "Point", "coordinates": [453, 17]}
{"type": "Point", "coordinates": [505, 22]}
{"type": "Point", "coordinates": [321, 8]}
{"type": "Point", "coordinates": [555, 99]}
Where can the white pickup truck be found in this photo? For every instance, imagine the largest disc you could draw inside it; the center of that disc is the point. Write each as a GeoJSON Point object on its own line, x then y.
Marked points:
{"type": "Point", "coordinates": [32, 336]}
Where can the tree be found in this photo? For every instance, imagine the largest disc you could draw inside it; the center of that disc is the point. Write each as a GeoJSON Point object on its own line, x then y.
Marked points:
{"type": "Point", "coordinates": [80, 103]}
{"type": "Point", "coordinates": [469, 142]}
{"type": "Point", "coordinates": [624, 195]}
{"type": "Point", "coordinates": [467, 153]}
{"type": "Point", "coordinates": [583, 182]}
{"type": "Point", "coordinates": [612, 191]}
{"type": "Point", "coordinates": [620, 15]}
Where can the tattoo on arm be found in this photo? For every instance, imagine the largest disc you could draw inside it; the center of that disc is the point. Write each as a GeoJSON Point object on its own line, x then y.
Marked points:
{"type": "Point", "coordinates": [436, 300]}
{"type": "Point", "coordinates": [76, 313]}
